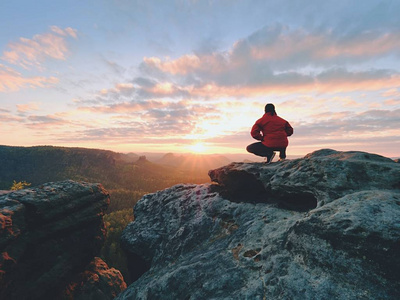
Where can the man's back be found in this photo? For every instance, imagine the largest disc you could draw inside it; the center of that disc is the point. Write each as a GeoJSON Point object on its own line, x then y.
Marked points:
{"type": "Point", "coordinates": [274, 130]}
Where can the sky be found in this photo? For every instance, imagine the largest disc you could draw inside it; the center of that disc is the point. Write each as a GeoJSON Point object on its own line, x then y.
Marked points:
{"type": "Point", "coordinates": [182, 76]}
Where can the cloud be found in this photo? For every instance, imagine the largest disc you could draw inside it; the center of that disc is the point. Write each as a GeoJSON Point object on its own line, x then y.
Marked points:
{"type": "Point", "coordinates": [393, 102]}
{"type": "Point", "coordinates": [125, 107]}
{"type": "Point", "coordinates": [278, 59]}
{"type": "Point", "coordinates": [163, 90]}
{"type": "Point", "coordinates": [339, 80]}
{"type": "Point", "coordinates": [45, 122]}
{"type": "Point", "coordinates": [65, 32]}
{"type": "Point", "coordinates": [134, 132]}
{"type": "Point", "coordinates": [6, 117]}
{"type": "Point", "coordinates": [182, 65]}
{"type": "Point", "coordinates": [22, 108]}
{"type": "Point", "coordinates": [115, 67]}
{"type": "Point", "coordinates": [11, 80]}
{"type": "Point", "coordinates": [329, 81]}
{"type": "Point", "coordinates": [134, 93]}
{"type": "Point", "coordinates": [281, 45]}
{"type": "Point", "coordinates": [395, 92]}
{"type": "Point", "coordinates": [365, 124]}
{"type": "Point", "coordinates": [155, 119]}
{"type": "Point", "coordinates": [393, 95]}
{"type": "Point", "coordinates": [121, 92]}
{"type": "Point", "coordinates": [282, 48]}
{"type": "Point", "coordinates": [315, 74]}
{"type": "Point", "coordinates": [154, 111]}
{"type": "Point", "coordinates": [29, 53]}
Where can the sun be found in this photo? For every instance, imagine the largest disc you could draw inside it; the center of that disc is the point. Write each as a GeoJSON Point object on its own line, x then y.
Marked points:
{"type": "Point", "coordinates": [198, 148]}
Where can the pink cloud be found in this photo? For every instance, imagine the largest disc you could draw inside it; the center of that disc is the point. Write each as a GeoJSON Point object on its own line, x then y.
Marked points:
{"type": "Point", "coordinates": [9, 118]}
{"type": "Point", "coordinates": [11, 80]}
{"type": "Point", "coordinates": [46, 122]}
{"type": "Point", "coordinates": [124, 86]}
{"type": "Point", "coordinates": [392, 102]}
{"type": "Point", "coordinates": [119, 88]}
{"type": "Point", "coordinates": [283, 45]}
{"type": "Point", "coordinates": [190, 63]}
{"type": "Point", "coordinates": [163, 89]}
{"type": "Point", "coordinates": [286, 44]}
{"type": "Point", "coordinates": [346, 81]}
{"type": "Point", "coordinates": [65, 32]}
{"type": "Point", "coordinates": [391, 93]}
{"type": "Point", "coordinates": [125, 107]}
{"type": "Point", "coordinates": [182, 65]}
{"type": "Point", "coordinates": [353, 82]}
{"type": "Point", "coordinates": [270, 62]}
{"type": "Point", "coordinates": [32, 52]}
{"type": "Point", "coordinates": [280, 45]}
{"type": "Point", "coordinates": [367, 44]}
{"type": "Point", "coordinates": [27, 107]}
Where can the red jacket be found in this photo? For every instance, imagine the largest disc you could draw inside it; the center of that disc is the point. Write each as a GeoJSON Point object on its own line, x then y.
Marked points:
{"type": "Point", "coordinates": [272, 131]}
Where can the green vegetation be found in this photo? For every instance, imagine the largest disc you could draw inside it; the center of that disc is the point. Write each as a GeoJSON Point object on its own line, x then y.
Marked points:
{"type": "Point", "coordinates": [19, 185]}
{"type": "Point", "coordinates": [126, 177]}
{"type": "Point", "coordinates": [122, 199]}
{"type": "Point", "coordinates": [111, 251]}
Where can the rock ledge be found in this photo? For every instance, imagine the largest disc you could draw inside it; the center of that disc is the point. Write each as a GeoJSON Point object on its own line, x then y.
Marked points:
{"type": "Point", "coordinates": [322, 227]}
{"type": "Point", "coordinates": [47, 235]}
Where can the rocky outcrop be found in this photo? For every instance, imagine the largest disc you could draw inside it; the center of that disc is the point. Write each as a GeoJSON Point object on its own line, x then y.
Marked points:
{"type": "Point", "coordinates": [98, 281]}
{"type": "Point", "coordinates": [318, 178]}
{"type": "Point", "coordinates": [47, 235]}
{"type": "Point", "coordinates": [322, 227]}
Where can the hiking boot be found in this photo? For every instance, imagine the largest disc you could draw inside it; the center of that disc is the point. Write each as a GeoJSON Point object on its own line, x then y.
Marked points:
{"type": "Point", "coordinates": [268, 161]}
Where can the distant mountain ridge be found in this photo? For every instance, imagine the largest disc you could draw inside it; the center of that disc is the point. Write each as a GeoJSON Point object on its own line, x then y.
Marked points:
{"type": "Point", "coordinates": [194, 161]}
{"type": "Point", "coordinates": [40, 164]}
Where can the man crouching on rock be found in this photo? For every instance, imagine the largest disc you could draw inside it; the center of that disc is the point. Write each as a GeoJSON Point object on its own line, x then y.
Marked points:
{"type": "Point", "coordinates": [272, 131]}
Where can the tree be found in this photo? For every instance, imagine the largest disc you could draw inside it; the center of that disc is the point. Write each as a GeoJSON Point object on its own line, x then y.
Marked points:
{"type": "Point", "coordinates": [111, 252]}
{"type": "Point", "coordinates": [19, 185]}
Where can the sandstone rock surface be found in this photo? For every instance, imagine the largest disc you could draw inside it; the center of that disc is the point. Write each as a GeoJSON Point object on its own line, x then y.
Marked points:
{"type": "Point", "coordinates": [326, 226]}
{"type": "Point", "coordinates": [47, 235]}
{"type": "Point", "coordinates": [97, 282]}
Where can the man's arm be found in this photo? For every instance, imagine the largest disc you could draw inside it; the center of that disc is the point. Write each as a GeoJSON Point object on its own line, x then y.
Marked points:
{"type": "Point", "coordinates": [256, 132]}
{"type": "Point", "coordinates": [288, 129]}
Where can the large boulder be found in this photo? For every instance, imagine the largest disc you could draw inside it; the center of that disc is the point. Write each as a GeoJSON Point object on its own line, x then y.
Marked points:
{"type": "Point", "coordinates": [322, 227]}
{"type": "Point", "coordinates": [97, 282]}
{"type": "Point", "coordinates": [47, 235]}
{"type": "Point", "coordinates": [314, 180]}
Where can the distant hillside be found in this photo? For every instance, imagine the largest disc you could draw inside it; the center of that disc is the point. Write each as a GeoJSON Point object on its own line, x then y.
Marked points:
{"type": "Point", "coordinates": [42, 164]}
{"type": "Point", "coordinates": [129, 157]}
{"type": "Point", "coordinates": [197, 162]}
{"type": "Point", "coordinates": [127, 177]}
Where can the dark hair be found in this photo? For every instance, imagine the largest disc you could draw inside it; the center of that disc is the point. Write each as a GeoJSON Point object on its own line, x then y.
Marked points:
{"type": "Point", "coordinates": [270, 108]}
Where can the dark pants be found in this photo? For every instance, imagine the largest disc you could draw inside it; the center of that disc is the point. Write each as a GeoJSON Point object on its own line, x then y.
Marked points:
{"type": "Point", "coordinates": [261, 150]}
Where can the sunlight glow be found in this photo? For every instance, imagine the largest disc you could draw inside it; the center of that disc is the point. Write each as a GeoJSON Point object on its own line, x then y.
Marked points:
{"type": "Point", "coordinates": [198, 148]}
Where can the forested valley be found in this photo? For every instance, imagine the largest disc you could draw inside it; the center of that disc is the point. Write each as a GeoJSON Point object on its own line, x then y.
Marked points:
{"type": "Point", "coordinates": [126, 177]}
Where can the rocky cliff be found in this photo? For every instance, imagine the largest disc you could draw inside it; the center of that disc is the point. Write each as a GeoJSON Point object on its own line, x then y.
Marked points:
{"type": "Point", "coordinates": [326, 226]}
{"type": "Point", "coordinates": [48, 235]}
